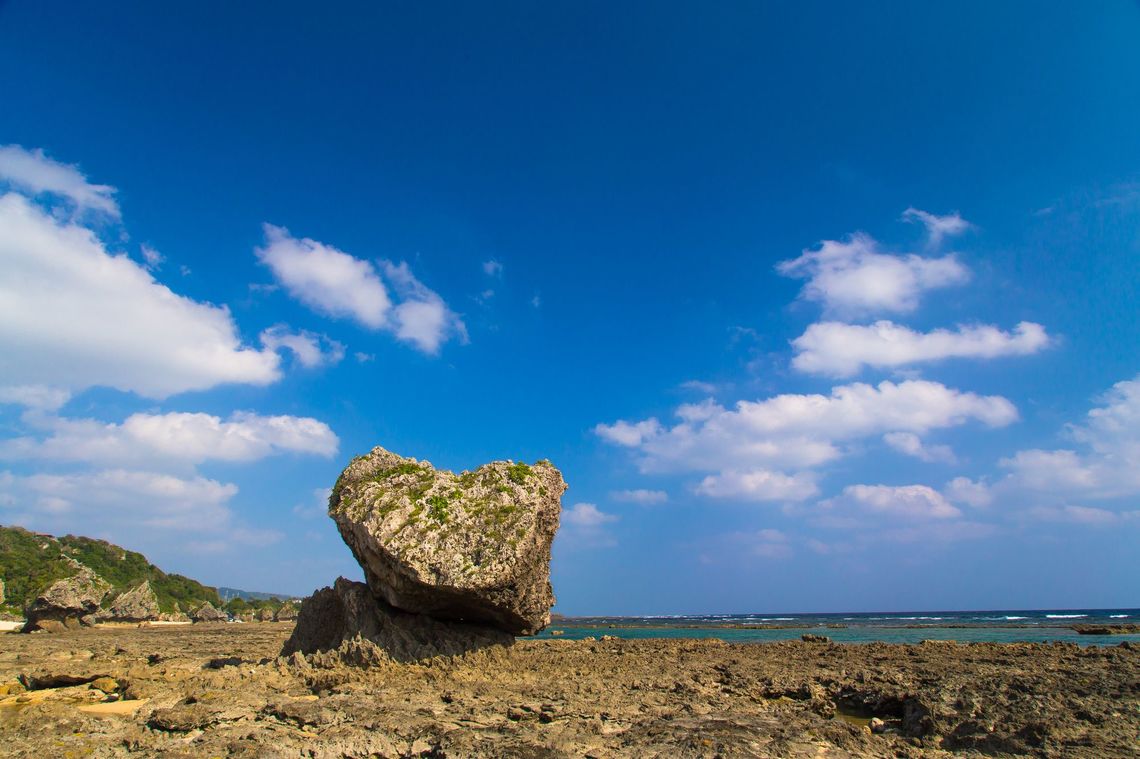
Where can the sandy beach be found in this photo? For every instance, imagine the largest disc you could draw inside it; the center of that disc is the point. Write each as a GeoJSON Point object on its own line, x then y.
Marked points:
{"type": "Point", "coordinates": [221, 690]}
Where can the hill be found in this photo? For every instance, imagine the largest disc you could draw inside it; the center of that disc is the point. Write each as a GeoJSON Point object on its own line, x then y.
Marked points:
{"type": "Point", "coordinates": [228, 594]}
{"type": "Point", "coordinates": [30, 562]}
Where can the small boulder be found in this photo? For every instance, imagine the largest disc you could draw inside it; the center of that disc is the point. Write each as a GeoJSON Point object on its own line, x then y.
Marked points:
{"type": "Point", "coordinates": [207, 613]}
{"type": "Point", "coordinates": [139, 604]}
{"type": "Point", "coordinates": [472, 547]}
{"type": "Point", "coordinates": [346, 624]}
{"type": "Point", "coordinates": [65, 602]}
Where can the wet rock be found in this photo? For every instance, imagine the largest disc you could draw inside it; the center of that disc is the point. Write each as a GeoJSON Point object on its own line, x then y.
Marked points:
{"type": "Point", "coordinates": [1117, 629]}
{"type": "Point", "coordinates": [66, 601]}
{"type": "Point", "coordinates": [347, 622]}
{"type": "Point", "coordinates": [812, 638]}
{"type": "Point", "coordinates": [471, 547]}
{"type": "Point", "coordinates": [207, 613]}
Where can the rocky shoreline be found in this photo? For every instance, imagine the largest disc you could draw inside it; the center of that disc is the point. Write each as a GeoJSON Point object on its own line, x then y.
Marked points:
{"type": "Point", "coordinates": [223, 690]}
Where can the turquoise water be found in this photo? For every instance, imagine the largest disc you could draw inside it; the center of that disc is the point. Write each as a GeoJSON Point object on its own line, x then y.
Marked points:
{"type": "Point", "coordinates": [1041, 625]}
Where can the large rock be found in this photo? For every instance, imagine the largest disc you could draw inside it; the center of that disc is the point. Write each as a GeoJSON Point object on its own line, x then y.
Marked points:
{"type": "Point", "coordinates": [346, 624]}
{"type": "Point", "coordinates": [67, 601]}
{"type": "Point", "coordinates": [208, 613]}
{"type": "Point", "coordinates": [287, 612]}
{"type": "Point", "coordinates": [139, 604]}
{"type": "Point", "coordinates": [473, 547]}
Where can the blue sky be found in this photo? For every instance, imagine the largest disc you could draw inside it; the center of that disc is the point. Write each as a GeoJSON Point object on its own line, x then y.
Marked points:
{"type": "Point", "coordinates": [817, 308]}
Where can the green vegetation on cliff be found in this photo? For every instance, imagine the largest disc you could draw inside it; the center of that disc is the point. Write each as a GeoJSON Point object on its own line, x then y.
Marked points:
{"type": "Point", "coordinates": [30, 562]}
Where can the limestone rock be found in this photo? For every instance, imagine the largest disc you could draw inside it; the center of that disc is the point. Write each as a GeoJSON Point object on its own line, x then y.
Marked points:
{"type": "Point", "coordinates": [287, 612]}
{"type": "Point", "coordinates": [67, 601]}
{"type": "Point", "coordinates": [265, 615]}
{"type": "Point", "coordinates": [207, 613]}
{"type": "Point", "coordinates": [347, 624]}
{"type": "Point", "coordinates": [471, 547]}
{"type": "Point", "coordinates": [139, 604]}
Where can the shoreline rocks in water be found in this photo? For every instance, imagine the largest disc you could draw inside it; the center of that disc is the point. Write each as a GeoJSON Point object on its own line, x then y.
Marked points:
{"type": "Point", "coordinates": [452, 562]}
{"type": "Point", "coordinates": [1114, 629]}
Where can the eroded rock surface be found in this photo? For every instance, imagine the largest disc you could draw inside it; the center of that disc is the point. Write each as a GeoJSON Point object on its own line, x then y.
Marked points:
{"type": "Point", "coordinates": [67, 601]}
{"type": "Point", "coordinates": [472, 547]}
{"type": "Point", "coordinates": [349, 623]}
{"type": "Point", "coordinates": [208, 613]}
{"type": "Point", "coordinates": [139, 604]}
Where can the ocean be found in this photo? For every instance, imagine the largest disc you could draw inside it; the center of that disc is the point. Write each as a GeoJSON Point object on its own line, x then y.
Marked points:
{"type": "Point", "coordinates": [1001, 626]}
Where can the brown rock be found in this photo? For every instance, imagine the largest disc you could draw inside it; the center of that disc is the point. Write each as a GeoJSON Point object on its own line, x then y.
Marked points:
{"type": "Point", "coordinates": [207, 613]}
{"type": "Point", "coordinates": [139, 604]}
{"type": "Point", "coordinates": [350, 624]}
{"type": "Point", "coordinates": [472, 547]}
{"type": "Point", "coordinates": [66, 601]}
{"type": "Point", "coordinates": [287, 612]}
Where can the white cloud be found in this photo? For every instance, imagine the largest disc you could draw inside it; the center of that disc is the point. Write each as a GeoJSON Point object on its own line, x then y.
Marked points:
{"type": "Point", "coordinates": [72, 316]}
{"type": "Point", "coordinates": [311, 350]}
{"type": "Point", "coordinates": [967, 491]}
{"type": "Point", "coordinates": [911, 444]}
{"type": "Point", "coordinates": [492, 268]}
{"type": "Point", "coordinates": [938, 227]}
{"type": "Point", "coordinates": [640, 496]}
{"type": "Point", "coordinates": [855, 277]}
{"type": "Point", "coordinates": [1084, 515]}
{"type": "Point", "coordinates": [178, 439]}
{"type": "Point", "coordinates": [33, 173]}
{"type": "Point", "coordinates": [842, 350]}
{"type": "Point", "coordinates": [771, 544]}
{"type": "Point", "coordinates": [628, 434]}
{"type": "Point", "coordinates": [422, 317]}
{"type": "Point", "coordinates": [587, 515]}
{"type": "Point", "coordinates": [339, 285]}
{"type": "Point", "coordinates": [585, 527]}
{"type": "Point", "coordinates": [38, 397]}
{"type": "Point", "coordinates": [799, 431]}
{"type": "Point", "coordinates": [317, 506]}
{"type": "Point", "coordinates": [916, 502]}
{"type": "Point", "coordinates": [1109, 465]}
{"type": "Point", "coordinates": [325, 279]}
{"type": "Point", "coordinates": [133, 508]}
{"type": "Point", "coordinates": [364, 358]}
{"type": "Point", "coordinates": [698, 386]}
{"type": "Point", "coordinates": [151, 257]}
{"type": "Point", "coordinates": [759, 485]}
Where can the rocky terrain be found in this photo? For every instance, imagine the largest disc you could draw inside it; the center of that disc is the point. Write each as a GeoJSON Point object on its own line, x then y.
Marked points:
{"type": "Point", "coordinates": [222, 690]}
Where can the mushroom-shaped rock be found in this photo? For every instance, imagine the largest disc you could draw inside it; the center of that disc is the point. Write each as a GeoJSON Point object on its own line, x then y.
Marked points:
{"type": "Point", "coordinates": [67, 601]}
{"type": "Point", "coordinates": [264, 615]}
{"type": "Point", "coordinates": [139, 604]}
{"type": "Point", "coordinates": [347, 624]}
{"type": "Point", "coordinates": [207, 613]}
{"type": "Point", "coordinates": [471, 547]}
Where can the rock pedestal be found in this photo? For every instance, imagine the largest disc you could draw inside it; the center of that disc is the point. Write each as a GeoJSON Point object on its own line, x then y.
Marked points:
{"type": "Point", "coordinates": [452, 562]}
{"type": "Point", "coordinates": [66, 602]}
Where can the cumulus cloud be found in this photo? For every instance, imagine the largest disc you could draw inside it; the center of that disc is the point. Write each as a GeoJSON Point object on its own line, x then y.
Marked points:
{"type": "Point", "coordinates": [33, 173]}
{"type": "Point", "coordinates": [585, 527]}
{"type": "Point", "coordinates": [133, 508]}
{"type": "Point", "coordinates": [799, 431]}
{"type": "Point", "coordinates": [325, 279]}
{"type": "Point", "coordinates": [916, 502]}
{"type": "Point", "coordinates": [311, 350]}
{"type": "Point", "coordinates": [73, 316]}
{"type": "Point", "coordinates": [938, 227]}
{"type": "Point", "coordinates": [178, 439]}
{"type": "Point", "coordinates": [151, 257]}
{"type": "Point", "coordinates": [640, 496]}
{"type": "Point", "coordinates": [1108, 464]}
{"type": "Point", "coordinates": [759, 485]}
{"type": "Point", "coordinates": [492, 268]}
{"type": "Point", "coordinates": [855, 277]}
{"type": "Point", "coordinates": [970, 492]}
{"type": "Point", "coordinates": [422, 317]}
{"type": "Point", "coordinates": [911, 444]}
{"type": "Point", "coordinates": [338, 285]}
{"type": "Point", "coordinates": [841, 350]}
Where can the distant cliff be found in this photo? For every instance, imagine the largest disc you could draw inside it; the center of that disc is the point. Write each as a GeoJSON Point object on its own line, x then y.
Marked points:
{"type": "Point", "coordinates": [31, 562]}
